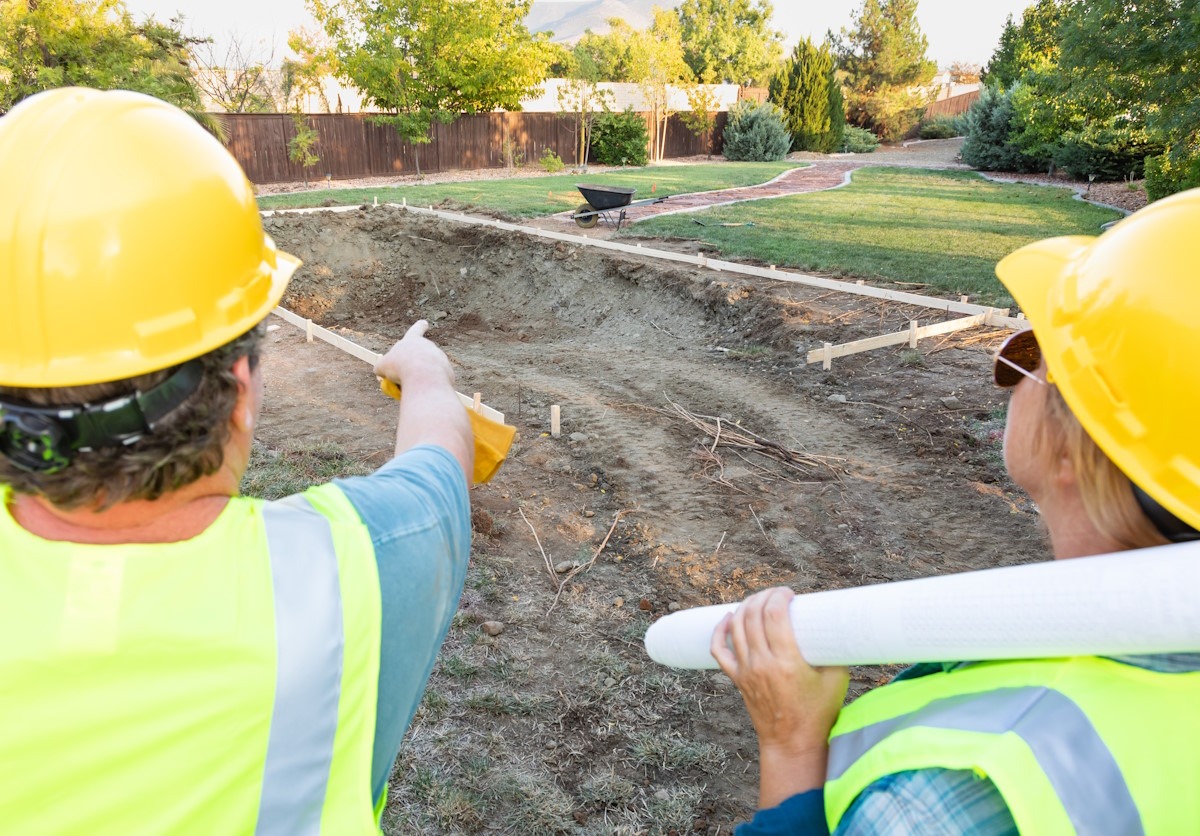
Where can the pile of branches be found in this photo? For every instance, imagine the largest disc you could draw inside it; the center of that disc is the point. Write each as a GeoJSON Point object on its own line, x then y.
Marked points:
{"type": "Point", "coordinates": [731, 436]}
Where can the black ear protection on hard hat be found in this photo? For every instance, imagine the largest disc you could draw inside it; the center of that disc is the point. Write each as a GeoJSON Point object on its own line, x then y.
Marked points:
{"type": "Point", "coordinates": [1168, 525]}
{"type": "Point", "coordinates": [44, 439]}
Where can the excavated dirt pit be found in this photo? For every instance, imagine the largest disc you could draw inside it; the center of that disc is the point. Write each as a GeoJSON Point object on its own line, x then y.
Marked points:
{"type": "Point", "coordinates": [681, 392]}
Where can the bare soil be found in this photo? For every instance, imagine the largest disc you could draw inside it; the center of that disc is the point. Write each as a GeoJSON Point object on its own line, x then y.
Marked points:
{"type": "Point", "coordinates": [561, 723]}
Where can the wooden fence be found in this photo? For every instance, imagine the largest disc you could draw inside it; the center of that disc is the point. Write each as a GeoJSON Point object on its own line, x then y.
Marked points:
{"type": "Point", "coordinates": [350, 145]}
{"type": "Point", "coordinates": [952, 106]}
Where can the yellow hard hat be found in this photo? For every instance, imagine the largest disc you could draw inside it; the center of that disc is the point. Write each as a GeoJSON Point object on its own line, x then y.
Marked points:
{"type": "Point", "coordinates": [129, 240]}
{"type": "Point", "coordinates": [1116, 319]}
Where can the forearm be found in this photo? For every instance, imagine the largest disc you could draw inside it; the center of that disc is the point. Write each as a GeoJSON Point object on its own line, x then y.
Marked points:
{"type": "Point", "coordinates": [431, 413]}
{"type": "Point", "coordinates": [789, 769]}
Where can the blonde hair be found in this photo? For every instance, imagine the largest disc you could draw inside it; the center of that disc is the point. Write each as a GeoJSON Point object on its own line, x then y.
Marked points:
{"type": "Point", "coordinates": [1106, 492]}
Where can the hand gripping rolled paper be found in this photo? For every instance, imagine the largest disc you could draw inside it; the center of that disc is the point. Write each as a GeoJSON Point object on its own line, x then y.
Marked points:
{"type": "Point", "coordinates": [1133, 602]}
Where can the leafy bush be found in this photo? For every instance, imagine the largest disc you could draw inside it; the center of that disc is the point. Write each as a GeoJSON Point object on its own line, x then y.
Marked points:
{"type": "Point", "coordinates": [859, 140]}
{"type": "Point", "coordinates": [1108, 152]}
{"type": "Point", "coordinates": [551, 161]}
{"type": "Point", "coordinates": [941, 127]}
{"type": "Point", "coordinates": [756, 133]}
{"type": "Point", "coordinates": [989, 126]}
{"type": "Point", "coordinates": [1169, 173]}
{"type": "Point", "coordinates": [619, 139]}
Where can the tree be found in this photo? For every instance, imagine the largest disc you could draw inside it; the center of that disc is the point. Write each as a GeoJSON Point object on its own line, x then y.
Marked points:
{"type": "Point", "coordinates": [237, 81]}
{"type": "Point", "coordinates": [656, 64]}
{"type": "Point", "coordinates": [729, 40]}
{"type": "Point", "coordinates": [94, 43]}
{"type": "Point", "coordinates": [301, 145]}
{"type": "Point", "coordinates": [608, 53]}
{"type": "Point", "coordinates": [305, 74]}
{"type": "Point", "coordinates": [882, 59]}
{"type": "Point", "coordinates": [964, 72]}
{"type": "Point", "coordinates": [804, 90]}
{"type": "Point", "coordinates": [580, 99]}
{"type": "Point", "coordinates": [651, 58]}
{"type": "Point", "coordinates": [700, 118]}
{"type": "Point", "coordinates": [1032, 45]}
{"type": "Point", "coordinates": [426, 60]}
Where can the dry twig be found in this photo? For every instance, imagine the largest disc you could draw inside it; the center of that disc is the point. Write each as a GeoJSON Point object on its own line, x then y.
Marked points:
{"type": "Point", "coordinates": [536, 539]}
{"type": "Point", "coordinates": [583, 567]}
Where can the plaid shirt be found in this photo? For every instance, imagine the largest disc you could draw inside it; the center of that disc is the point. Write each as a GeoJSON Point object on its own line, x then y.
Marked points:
{"type": "Point", "coordinates": [924, 801]}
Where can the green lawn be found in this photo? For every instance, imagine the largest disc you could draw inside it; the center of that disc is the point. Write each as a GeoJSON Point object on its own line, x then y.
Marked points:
{"type": "Point", "coordinates": [527, 197]}
{"type": "Point", "coordinates": [942, 229]}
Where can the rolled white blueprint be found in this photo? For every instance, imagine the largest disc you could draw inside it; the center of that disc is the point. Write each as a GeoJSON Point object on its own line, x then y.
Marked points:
{"type": "Point", "coordinates": [1143, 601]}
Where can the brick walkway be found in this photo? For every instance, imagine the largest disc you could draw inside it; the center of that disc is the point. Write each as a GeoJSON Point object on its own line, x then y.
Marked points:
{"type": "Point", "coordinates": [817, 177]}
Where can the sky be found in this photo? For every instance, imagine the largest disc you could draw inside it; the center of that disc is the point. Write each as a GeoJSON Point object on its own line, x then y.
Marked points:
{"type": "Point", "coordinates": [958, 30]}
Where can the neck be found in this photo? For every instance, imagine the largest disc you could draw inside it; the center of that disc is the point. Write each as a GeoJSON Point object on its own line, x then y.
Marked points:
{"type": "Point", "coordinates": [1072, 532]}
{"type": "Point", "coordinates": [176, 516]}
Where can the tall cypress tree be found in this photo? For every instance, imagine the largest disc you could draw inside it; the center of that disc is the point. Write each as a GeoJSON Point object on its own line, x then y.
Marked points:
{"type": "Point", "coordinates": [811, 99]}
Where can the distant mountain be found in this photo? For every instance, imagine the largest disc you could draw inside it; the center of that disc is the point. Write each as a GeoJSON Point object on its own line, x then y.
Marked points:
{"type": "Point", "coordinates": [569, 20]}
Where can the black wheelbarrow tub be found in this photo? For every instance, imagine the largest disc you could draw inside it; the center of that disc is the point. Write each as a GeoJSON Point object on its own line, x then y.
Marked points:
{"type": "Point", "coordinates": [606, 197]}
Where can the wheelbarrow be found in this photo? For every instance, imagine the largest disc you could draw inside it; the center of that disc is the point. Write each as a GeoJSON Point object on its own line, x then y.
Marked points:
{"type": "Point", "coordinates": [607, 202]}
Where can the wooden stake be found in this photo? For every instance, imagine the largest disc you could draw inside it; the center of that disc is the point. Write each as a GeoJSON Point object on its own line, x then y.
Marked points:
{"type": "Point", "coordinates": [555, 421]}
{"type": "Point", "coordinates": [912, 333]}
{"type": "Point", "coordinates": [478, 405]}
{"type": "Point", "coordinates": [308, 326]}
{"type": "Point", "coordinates": [827, 359]}
{"type": "Point", "coordinates": [963, 299]}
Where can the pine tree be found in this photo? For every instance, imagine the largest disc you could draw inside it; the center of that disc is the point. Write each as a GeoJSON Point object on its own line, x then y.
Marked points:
{"type": "Point", "coordinates": [883, 58]}
{"type": "Point", "coordinates": [802, 89]}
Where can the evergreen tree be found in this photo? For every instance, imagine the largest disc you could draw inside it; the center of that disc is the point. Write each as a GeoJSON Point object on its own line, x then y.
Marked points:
{"type": "Point", "coordinates": [803, 90]}
{"type": "Point", "coordinates": [1032, 45]}
{"type": "Point", "coordinates": [883, 61]}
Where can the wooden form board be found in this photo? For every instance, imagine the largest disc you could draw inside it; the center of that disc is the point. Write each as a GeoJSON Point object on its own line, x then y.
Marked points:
{"type": "Point", "coordinates": [313, 330]}
{"type": "Point", "coordinates": [910, 335]}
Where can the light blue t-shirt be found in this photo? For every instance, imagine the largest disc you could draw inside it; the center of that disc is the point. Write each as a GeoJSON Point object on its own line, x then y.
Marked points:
{"type": "Point", "coordinates": [417, 510]}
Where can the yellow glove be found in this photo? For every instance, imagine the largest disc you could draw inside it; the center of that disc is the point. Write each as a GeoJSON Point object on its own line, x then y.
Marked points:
{"type": "Point", "coordinates": [492, 439]}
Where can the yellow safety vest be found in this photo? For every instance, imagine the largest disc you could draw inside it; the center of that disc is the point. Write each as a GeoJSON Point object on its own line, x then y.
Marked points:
{"type": "Point", "coordinates": [1080, 745]}
{"type": "Point", "coordinates": [221, 685]}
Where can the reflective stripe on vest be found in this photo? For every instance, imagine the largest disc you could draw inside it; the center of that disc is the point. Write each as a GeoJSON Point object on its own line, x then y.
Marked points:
{"type": "Point", "coordinates": [1078, 764]}
{"type": "Point", "coordinates": [310, 643]}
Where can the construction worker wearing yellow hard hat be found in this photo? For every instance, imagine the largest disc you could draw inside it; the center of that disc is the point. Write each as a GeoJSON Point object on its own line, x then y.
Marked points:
{"type": "Point", "coordinates": [1102, 433]}
{"type": "Point", "coordinates": [175, 658]}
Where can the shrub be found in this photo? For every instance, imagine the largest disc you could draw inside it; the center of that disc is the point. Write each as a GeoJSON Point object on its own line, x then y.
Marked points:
{"type": "Point", "coordinates": [859, 140]}
{"type": "Point", "coordinates": [941, 127]}
{"type": "Point", "coordinates": [989, 125]}
{"type": "Point", "coordinates": [551, 161]}
{"type": "Point", "coordinates": [1168, 173]}
{"type": "Point", "coordinates": [1108, 152]}
{"type": "Point", "coordinates": [756, 133]}
{"type": "Point", "coordinates": [619, 139]}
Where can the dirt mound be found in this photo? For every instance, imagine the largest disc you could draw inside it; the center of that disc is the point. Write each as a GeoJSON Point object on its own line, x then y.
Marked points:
{"type": "Point", "coordinates": [686, 405]}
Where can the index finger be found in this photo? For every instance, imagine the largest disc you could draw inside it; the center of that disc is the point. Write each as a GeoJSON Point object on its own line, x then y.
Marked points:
{"type": "Point", "coordinates": [417, 329]}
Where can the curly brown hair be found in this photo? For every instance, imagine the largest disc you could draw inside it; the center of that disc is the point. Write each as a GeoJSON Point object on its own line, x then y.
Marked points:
{"type": "Point", "coordinates": [189, 443]}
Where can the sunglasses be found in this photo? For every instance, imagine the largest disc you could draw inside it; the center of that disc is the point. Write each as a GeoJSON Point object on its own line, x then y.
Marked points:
{"type": "Point", "coordinates": [1018, 357]}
